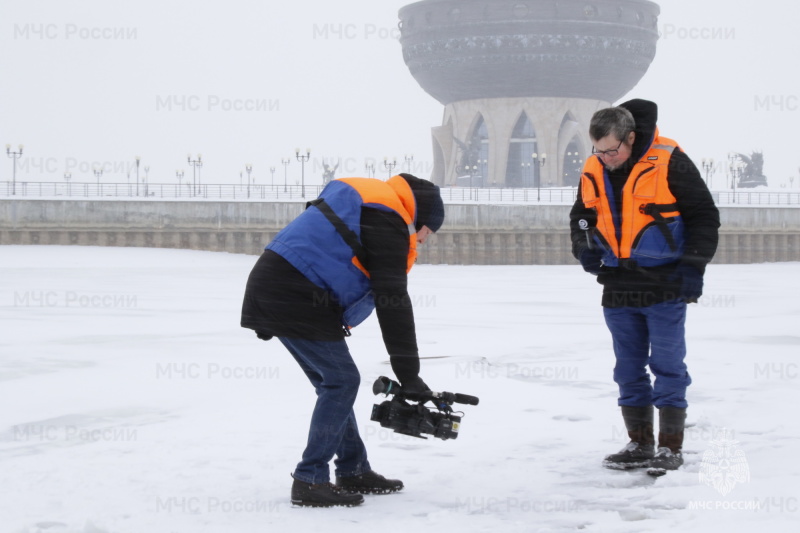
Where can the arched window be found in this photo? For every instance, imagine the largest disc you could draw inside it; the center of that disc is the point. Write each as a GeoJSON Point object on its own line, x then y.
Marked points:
{"type": "Point", "coordinates": [573, 163]}
{"type": "Point", "coordinates": [523, 168]}
{"type": "Point", "coordinates": [474, 169]}
{"type": "Point", "coordinates": [573, 154]}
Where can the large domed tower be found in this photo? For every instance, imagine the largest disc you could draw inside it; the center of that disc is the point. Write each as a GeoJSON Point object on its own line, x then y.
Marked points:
{"type": "Point", "coordinates": [520, 80]}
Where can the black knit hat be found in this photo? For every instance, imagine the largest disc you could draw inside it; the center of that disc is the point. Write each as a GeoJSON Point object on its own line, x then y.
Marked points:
{"type": "Point", "coordinates": [430, 208]}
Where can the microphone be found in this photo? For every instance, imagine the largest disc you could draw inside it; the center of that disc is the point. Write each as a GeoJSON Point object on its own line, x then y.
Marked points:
{"type": "Point", "coordinates": [384, 385]}
{"type": "Point", "coordinates": [587, 229]}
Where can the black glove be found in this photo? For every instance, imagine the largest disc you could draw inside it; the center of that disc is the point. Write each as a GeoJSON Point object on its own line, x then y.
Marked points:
{"type": "Point", "coordinates": [691, 282]}
{"type": "Point", "coordinates": [592, 260]}
{"type": "Point", "coordinates": [414, 386]}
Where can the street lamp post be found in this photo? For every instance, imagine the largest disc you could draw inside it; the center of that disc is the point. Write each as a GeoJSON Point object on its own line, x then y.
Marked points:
{"type": "Point", "coordinates": [303, 159]}
{"type": "Point", "coordinates": [708, 166]}
{"type": "Point", "coordinates": [147, 181]}
{"type": "Point", "coordinates": [98, 172]}
{"type": "Point", "coordinates": [285, 163]}
{"type": "Point", "coordinates": [67, 177]}
{"type": "Point", "coordinates": [389, 166]}
{"type": "Point", "coordinates": [138, 160]}
{"type": "Point", "coordinates": [272, 177]}
{"type": "Point", "coordinates": [736, 169]}
{"type": "Point", "coordinates": [14, 155]}
{"type": "Point", "coordinates": [408, 158]}
{"type": "Point", "coordinates": [179, 175]}
{"type": "Point", "coordinates": [249, 168]}
{"type": "Point", "coordinates": [537, 173]}
{"type": "Point", "coordinates": [196, 163]}
{"type": "Point", "coordinates": [370, 168]}
{"type": "Point", "coordinates": [471, 185]}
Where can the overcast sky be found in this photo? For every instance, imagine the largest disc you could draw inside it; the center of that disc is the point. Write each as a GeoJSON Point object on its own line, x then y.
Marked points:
{"type": "Point", "coordinates": [248, 81]}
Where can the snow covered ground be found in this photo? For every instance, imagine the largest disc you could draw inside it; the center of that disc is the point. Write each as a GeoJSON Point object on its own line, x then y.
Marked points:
{"type": "Point", "coordinates": [131, 401]}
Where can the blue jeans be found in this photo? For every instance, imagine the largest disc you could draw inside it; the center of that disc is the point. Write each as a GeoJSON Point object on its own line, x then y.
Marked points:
{"type": "Point", "coordinates": [335, 377]}
{"type": "Point", "coordinates": [651, 336]}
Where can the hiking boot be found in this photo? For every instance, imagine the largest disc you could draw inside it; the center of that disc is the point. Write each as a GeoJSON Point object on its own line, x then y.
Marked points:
{"type": "Point", "coordinates": [633, 455]}
{"type": "Point", "coordinates": [322, 495]}
{"type": "Point", "coordinates": [369, 483]}
{"type": "Point", "coordinates": [666, 459]}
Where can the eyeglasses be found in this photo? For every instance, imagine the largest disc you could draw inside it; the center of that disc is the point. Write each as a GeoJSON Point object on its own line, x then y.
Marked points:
{"type": "Point", "coordinates": [610, 153]}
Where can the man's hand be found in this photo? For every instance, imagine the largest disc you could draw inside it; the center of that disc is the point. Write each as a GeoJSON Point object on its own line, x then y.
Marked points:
{"type": "Point", "coordinates": [691, 283]}
{"type": "Point", "coordinates": [592, 260]}
{"type": "Point", "coordinates": [414, 386]}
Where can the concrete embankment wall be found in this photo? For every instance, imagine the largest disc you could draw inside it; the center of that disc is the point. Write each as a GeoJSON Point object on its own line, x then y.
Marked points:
{"type": "Point", "coordinates": [472, 235]}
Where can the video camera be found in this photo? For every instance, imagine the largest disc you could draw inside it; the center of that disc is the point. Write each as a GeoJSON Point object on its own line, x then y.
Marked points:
{"type": "Point", "coordinates": [416, 419]}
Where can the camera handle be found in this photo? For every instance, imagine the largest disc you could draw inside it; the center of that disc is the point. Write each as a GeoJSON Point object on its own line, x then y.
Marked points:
{"type": "Point", "coordinates": [384, 385]}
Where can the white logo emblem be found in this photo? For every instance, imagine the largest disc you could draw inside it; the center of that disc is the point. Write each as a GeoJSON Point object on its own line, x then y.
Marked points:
{"type": "Point", "coordinates": [583, 224]}
{"type": "Point", "coordinates": [724, 464]}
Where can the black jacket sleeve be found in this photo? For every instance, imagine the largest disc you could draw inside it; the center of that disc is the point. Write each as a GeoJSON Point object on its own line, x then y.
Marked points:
{"type": "Point", "coordinates": [578, 236]}
{"type": "Point", "coordinates": [385, 237]}
{"type": "Point", "coordinates": [696, 205]}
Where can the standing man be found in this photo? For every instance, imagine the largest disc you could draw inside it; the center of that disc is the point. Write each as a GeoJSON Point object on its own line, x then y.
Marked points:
{"type": "Point", "coordinates": [348, 253]}
{"type": "Point", "coordinates": [646, 225]}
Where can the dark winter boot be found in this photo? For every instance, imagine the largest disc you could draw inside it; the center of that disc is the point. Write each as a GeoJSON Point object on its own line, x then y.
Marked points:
{"type": "Point", "coordinates": [322, 495]}
{"type": "Point", "coordinates": [369, 483]}
{"type": "Point", "coordinates": [639, 451]}
{"type": "Point", "coordinates": [670, 438]}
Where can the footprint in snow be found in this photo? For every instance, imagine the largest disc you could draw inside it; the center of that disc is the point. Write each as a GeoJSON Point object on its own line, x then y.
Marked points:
{"type": "Point", "coordinates": [572, 418]}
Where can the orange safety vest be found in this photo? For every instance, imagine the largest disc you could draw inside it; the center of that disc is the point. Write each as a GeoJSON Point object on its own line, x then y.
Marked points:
{"type": "Point", "coordinates": [398, 198]}
{"type": "Point", "coordinates": [324, 242]}
{"type": "Point", "coordinates": [649, 229]}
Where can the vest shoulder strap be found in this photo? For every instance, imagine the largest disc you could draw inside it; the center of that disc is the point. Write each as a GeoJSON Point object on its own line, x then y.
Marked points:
{"type": "Point", "coordinates": [656, 211]}
{"type": "Point", "coordinates": [347, 234]}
